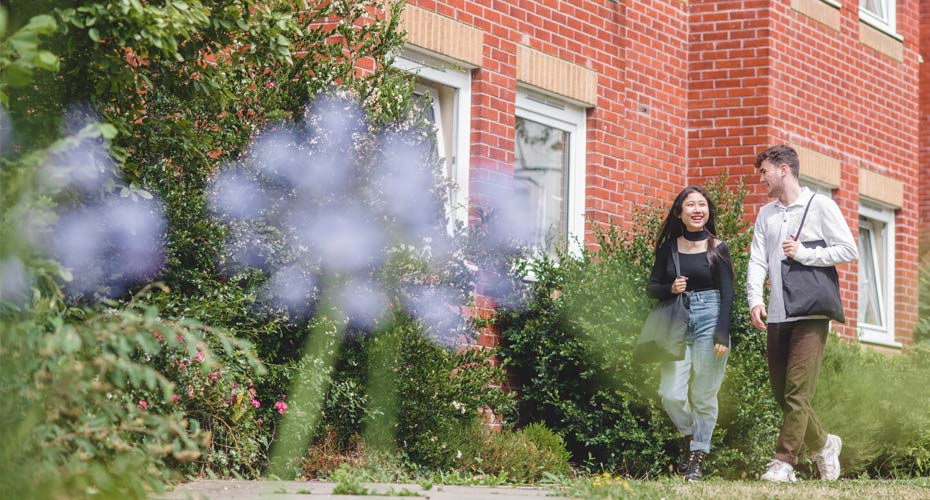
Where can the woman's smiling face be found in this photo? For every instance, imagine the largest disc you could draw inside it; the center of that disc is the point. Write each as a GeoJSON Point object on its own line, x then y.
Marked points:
{"type": "Point", "coordinates": [694, 212]}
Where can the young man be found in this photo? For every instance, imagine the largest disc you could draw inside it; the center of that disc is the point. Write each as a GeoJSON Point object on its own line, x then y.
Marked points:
{"type": "Point", "coordinates": [795, 344]}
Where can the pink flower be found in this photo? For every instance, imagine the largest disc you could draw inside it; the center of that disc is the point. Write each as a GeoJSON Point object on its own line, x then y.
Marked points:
{"type": "Point", "coordinates": [175, 398]}
{"type": "Point", "coordinates": [159, 337]}
{"type": "Point", "coordinates": [190, 391]}
{"type": "Point", "coordinates": [270, 85]}
{"type": "Point", "coordinates": [143, 404]}
{"type": "Point", "coordinates": [281, 406]}
{"type": "Point", "coordinates": [214, 376]}
{"type": "Point", "coordinates": [255, 403]}
{"type": "Point", "coordinates": [180, 338]}
{"type": "Point", "coordinates": [199, 357]}
{"type": "Point", "coordinates": [261, 421]}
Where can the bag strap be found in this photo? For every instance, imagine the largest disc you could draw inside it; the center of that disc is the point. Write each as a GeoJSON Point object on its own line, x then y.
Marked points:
{"type": "Point", "coordinates": [675, 258]}
{"type": "Point", "coordinates": [804, 217]}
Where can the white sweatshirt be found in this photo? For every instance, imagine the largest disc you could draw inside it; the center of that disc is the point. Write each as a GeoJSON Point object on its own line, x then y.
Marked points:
{"type": "Point", "coordinates": [775, 224]}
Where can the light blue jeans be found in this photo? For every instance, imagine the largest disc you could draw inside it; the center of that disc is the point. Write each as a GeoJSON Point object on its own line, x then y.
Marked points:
{"type": "Point", "coordinates": [689, 387]}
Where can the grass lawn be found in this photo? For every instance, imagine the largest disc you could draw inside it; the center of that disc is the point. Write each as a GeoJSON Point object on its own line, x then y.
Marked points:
{"type": "Point", "coordinates": [718, 489]}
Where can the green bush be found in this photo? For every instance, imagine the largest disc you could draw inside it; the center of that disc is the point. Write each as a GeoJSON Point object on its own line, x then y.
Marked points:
{"type": "Point", "coordinates": [553, 447]}
{"type": "Point", "coordinates": [880, 407]}
{"type": "Point", "coordinates": [405, 393]}
{"type": "Point", "coordinates": [523, 456]}
{"type": "Point", "coordinates": [922, 329]}
{"type": "Point", "coordinates": [91, 410]}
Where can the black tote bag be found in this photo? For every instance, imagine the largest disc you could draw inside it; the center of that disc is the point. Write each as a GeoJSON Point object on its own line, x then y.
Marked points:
{"type": "Point", "coordinates": [662, 337]}
{"type": "Point", "coordinates": [811, 290]}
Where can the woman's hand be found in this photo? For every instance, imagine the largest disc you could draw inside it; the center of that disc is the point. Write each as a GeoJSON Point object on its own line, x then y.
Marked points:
{"type": "Point", "coordinates": [679, 285]}
{"type": "Point", "coordinates": [720, 350]}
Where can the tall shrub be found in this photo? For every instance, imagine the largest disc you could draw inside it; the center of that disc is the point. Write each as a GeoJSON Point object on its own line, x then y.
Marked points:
{"type": "Point", "coordinates": [182, 90]}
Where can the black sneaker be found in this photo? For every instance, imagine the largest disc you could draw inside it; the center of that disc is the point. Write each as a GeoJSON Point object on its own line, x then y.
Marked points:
{"type": "Point", "coordinates": [685, 457]}
{"type": "Point", "coordinates": [695, 462]}
{"type": "Point", "coordinates": [685, 462]}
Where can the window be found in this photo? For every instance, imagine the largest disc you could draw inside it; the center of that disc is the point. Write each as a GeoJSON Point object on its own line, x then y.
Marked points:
{"type": "Point", "coordinates": [876, 275]}
{"type": "Point", "coordinates": [878, 13]}
{"type": "Point", "coordinates": [549, 165]}
{"type": "Point", "coordinates": [817, 187]}
{"type": "Point", "coordinates": [447, 90]}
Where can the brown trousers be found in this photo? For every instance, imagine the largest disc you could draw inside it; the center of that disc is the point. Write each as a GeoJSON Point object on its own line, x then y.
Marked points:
{"type": "Point", "coordinates": [795, 353]}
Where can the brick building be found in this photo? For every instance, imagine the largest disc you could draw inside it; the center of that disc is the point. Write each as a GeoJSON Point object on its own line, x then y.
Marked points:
{"type": "Point", "coordinates": [593, 107]}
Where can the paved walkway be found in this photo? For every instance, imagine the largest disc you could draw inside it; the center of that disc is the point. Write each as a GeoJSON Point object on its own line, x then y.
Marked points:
{"type": "Point", "coordinates": [313, 490]}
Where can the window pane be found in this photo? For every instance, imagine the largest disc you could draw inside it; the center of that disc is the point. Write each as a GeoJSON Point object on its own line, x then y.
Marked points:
{"type": "Point", "coordinates": [540, 180]}
{"type": "Point", "coordinates": [875, 7]}
{"type": "Point", "coordinates": [871, 272]}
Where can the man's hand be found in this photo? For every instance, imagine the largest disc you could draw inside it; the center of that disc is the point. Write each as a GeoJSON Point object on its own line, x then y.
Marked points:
{"type": "Point", "coordinates": [720, 350]}
{"type": "Point", "coordinates": [756, 315]}
{"type": "Point", "coordinates": [790, 247]}
{"type": "Point", "coordinates": [679, 285]}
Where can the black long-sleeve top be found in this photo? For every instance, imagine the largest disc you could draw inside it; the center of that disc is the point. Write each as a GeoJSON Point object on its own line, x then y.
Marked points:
{"type": "Point", "coordinates": [699, 278]}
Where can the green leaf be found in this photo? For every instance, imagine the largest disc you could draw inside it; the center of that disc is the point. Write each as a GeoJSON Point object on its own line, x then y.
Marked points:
{"type": "Point", "coordinates": [65, 274]}
{"type": "Point", "coordinates": [3, 22]}
{"type": "Point", "coordinates": [94, 34]}
{"type": "Point", "coordinates": [16, 75]}
{"type": "Point", "coordinates": [108, 131]}
{"type": "Point", "coordinates": [46, 60]}
{"type": "Point", "coordinates": [42, 24]}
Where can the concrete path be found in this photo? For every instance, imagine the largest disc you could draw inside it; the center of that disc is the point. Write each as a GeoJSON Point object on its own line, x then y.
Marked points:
{"type": "Point", "coordinates": [312, 490]}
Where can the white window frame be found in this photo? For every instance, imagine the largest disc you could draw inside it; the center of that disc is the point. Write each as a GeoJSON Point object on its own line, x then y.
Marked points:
{"type": "Point", "coordinates": [433, 94]}
{"type": "Point", "coordinates": [570, 118]}
{"type": "Point", "coordinates": [873, 334]}
{"type": "Point", "coordinates": [888, 26]}
{"type": "Point", "coordinates": [458, 77]}
{"type": "Point", "coordinates": [817, 187]}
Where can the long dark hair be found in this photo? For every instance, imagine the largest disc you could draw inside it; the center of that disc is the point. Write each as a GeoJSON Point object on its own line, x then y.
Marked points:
{"type": "Point", "coordinates": [672, 228]}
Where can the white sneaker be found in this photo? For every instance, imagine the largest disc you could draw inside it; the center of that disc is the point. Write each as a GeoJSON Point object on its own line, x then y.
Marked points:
{"type": "Point", "coordinates": [779, 472]}
{"type": "Point", "coordinates": [828, 458]}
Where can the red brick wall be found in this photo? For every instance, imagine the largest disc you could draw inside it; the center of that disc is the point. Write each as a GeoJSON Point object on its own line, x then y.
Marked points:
{"type": "Point", "coordinates": [762, 73]}
{"type": "Point", "coordinates": [728, 89]}
{"type": "Point", "coordinates": [690, 90]}
{"type": "Point", "coordinates": [654, 42]}
{"type": "Point", "coordinates": [924, 227]}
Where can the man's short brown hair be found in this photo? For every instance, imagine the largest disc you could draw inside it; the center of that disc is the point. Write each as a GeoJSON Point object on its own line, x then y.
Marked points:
{"type": "Point", "coordinates": [779, 154]}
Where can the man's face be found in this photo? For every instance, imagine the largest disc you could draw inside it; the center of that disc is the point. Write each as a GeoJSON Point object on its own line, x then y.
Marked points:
{"type": "Point", "coordinates": [773, 178]}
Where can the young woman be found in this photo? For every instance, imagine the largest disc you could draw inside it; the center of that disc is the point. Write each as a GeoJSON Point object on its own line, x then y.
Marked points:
{"type": "Point", "coordinates": [689, 387]}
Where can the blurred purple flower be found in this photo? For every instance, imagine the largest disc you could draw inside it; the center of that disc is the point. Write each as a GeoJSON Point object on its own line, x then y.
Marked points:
{"type": "Point", "coordinates": [438, 308]}
{"type": "Point", "coordinates": [248, 249]}
{"type": "Point", "coordinates": [345, 238]}
{"type": "Point", "coordinates": [363, 302]}
{"type": "Point", "coordinates": [112, 245]}
{"type": "Point", "coordinates": [293, 288]}
{"type": "Point", "coordinates": [84, 166]}
{"type": "Point", "coordinates": [6, 130]}
{"type": "Point", "coordinates": [235, 194]}
{"type": "Point", "coordinates": [14, 281]}
{"type": "Point", "coordinates": [406, 183]}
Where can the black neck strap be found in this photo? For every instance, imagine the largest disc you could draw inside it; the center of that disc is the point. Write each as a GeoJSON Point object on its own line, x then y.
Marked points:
{"type": "Point", "coordinates": [804, 217]}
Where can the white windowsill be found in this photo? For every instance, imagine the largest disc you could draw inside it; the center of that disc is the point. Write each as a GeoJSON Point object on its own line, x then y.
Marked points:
{"type": "Point", "coordinates": [881, 27]}
{"type": "Point", "coordinates": [877, 337]}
